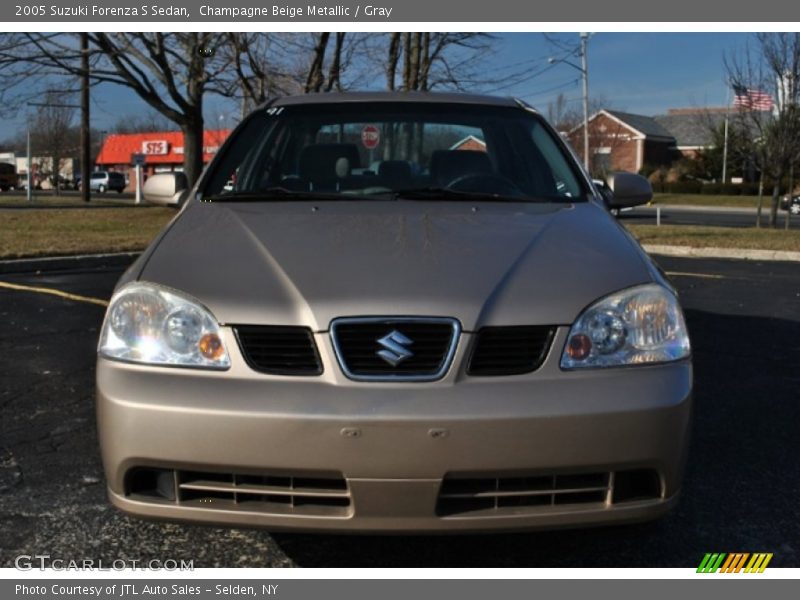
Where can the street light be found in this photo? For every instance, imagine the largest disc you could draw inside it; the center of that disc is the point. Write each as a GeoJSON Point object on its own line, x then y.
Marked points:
{"type": "Point", "coordinates": [584, 69]}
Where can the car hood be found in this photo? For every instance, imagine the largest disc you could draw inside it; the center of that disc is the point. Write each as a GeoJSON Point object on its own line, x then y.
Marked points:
{"type": "Point", "coordinates": [301, 263]}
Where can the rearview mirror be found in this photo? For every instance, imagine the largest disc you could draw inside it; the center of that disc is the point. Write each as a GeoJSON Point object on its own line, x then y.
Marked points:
{"type": "Point", "coordinates": [628, 189]}
{"type": "Point", "coordinates": [166, 189]}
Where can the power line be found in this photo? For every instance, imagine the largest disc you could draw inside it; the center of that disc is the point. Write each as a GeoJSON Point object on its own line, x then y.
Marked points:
{"type": "Point", "coordinates": [563, 85]}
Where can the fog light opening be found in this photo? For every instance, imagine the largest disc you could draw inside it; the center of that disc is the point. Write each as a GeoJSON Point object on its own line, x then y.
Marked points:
{"type": "Point", "coordinates": [636, 484]}
{"type": "Point", "coordinates": [151, 483]}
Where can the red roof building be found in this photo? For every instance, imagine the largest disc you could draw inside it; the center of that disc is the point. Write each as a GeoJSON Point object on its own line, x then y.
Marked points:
{"type": "Point", "coordinates": [163, 150]}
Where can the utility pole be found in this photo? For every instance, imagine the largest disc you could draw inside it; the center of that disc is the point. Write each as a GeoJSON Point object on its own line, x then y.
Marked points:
{"type": "Point", "coordinates": [584, 70]}
{"type": "Point", "coordinates": [585, 73]}
{"type": "Point", "coordinates": [86, 140]}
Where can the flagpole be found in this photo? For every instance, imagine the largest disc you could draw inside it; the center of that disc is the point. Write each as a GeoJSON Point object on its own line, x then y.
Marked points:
{"type": "Point", "coordinates": [725, 144]}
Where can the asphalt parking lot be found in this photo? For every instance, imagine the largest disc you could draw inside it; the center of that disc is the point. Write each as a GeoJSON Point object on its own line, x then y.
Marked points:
{"type": "Point", "coordinates": [740, 493]}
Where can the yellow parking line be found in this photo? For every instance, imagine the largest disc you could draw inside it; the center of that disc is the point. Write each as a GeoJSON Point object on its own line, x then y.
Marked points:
{"type": "Point", "coordinates": [52, 292]}
{"type": "Point", "coordinates": [702, 275]}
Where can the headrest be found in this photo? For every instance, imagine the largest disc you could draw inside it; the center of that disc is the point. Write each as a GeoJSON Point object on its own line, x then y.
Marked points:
{"type": "Point", "coordinates": [320, 163]}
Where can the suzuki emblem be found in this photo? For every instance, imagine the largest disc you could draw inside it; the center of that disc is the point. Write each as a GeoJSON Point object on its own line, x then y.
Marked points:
{"type": "Point", "coordinates": [395, 348]}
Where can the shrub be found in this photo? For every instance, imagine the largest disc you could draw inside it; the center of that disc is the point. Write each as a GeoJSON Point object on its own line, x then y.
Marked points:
{"type": "Point", "coordinates": [711, 188]}
{"type": "Point", "coordinates": [683, 187]}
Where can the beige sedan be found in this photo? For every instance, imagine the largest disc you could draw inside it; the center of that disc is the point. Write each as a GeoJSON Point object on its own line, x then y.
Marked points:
{"type": "Point", "coordinates": [394, 313]}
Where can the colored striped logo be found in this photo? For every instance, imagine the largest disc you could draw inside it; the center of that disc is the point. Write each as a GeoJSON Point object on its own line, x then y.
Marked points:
{"type": "Point", "coordinates": [734, 563]}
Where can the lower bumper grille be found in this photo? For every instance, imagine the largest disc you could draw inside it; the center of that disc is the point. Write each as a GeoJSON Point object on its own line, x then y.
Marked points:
{"type": "Point", "coordinates": [277, 494]}
{"type": "Point", "coordinates": [496, 496]}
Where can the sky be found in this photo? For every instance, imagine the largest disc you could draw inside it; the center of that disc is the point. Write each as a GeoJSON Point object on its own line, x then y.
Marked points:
{"type": "Point", "coordinates": [644, 73]}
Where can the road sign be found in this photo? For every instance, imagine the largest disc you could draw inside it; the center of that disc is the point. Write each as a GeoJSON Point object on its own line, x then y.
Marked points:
{"type": "Point", "coordinates": [370, 137]}
{"type": "Point", "coordinates": [138, 159]}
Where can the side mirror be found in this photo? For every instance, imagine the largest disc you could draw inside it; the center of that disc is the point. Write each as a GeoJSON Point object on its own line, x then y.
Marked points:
{"type": "Point", "coordinates": [166, 189]}
{"type": "Point", "coordinates": [628, 189]}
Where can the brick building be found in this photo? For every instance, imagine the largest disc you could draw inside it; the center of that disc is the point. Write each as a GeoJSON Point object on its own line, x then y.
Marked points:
{"type": "Point", "coordinates": [620, 141]}
{"type": "Point", "coordinates": [470, 143]}
{"type": "Point", "coordinates": [692, 128]}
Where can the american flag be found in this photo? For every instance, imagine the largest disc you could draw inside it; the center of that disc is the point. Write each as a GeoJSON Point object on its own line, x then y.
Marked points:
{"type": "Point", "coordinates": [750, 99]}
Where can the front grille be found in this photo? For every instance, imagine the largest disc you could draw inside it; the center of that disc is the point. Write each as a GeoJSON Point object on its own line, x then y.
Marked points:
{"type": "Point", "coordinates": [424, 351]}
{"type": "Point", "coordinates": [279, 350]}
{"type": "Point", "coordinates": [509, 350]}
{"type": "Point", "coordinates": [280, 494]}
{"type": "Point", "coordinates": [497, 496]}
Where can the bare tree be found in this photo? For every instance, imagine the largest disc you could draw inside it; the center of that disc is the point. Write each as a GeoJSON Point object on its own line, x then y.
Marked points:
{"type": "Point", "coordinates": [53, 134]}
{"type": "Point", "coordinates": [771, 66]}
{"type": "Point", "coordinates": [171, 72]}
{"type": "Point", "coordinates": [557, 111]}
{"type": "Point", "coordinates": [335, 69]}
{"type": "Point", "coordinates": [145, 123]}
{"type": "Point", "coordinates": [261, 68]}
{"type": "Point", "coordinates": [316, 78]}
{"type": "Point", "coordinates": [566, 114]}
{"type": "Point", "coordinates": [433, 60]}
{"type": "Point", "coordinates": [265, 65]}
{"type": "Point", "coordinates": [392, 59]}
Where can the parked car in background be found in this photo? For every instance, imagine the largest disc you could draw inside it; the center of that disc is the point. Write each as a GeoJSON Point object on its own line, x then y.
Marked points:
{"type": "Point", "coordinates": [8, 176]}
{"type": "Point", "coordinates": [101, 181]}
{"type": "Point", "coordinates": [793, 205]}
{"type": "Point", "coordinates": [451, 340]}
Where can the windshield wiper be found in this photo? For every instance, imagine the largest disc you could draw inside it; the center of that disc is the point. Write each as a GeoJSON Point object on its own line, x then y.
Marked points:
{"type": "Point", "coordinates": [277, 193]}
{"type": "Point", "coordinates": [428, 193]}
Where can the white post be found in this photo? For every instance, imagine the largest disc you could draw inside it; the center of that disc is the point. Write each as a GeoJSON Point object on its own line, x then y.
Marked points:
{"type": "Point", "coordinates": [585, 71]}
{"type": "Point", "coordinates": [28, 192]}
{"type": "Point", "coordinates": [725, 144]}
{"type": "Point", "coordinates": [725, 152]}
{"type": "Point", "coordinates": [138, 184]}
{"type": "Point", "coordinates": [658, 216]}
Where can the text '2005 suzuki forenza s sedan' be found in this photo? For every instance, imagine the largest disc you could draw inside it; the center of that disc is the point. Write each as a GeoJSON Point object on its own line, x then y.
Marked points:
{"type": "Point", "coordinates": [394, 312]}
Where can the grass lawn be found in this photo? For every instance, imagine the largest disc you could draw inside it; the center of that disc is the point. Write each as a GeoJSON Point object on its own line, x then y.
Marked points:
{"type": "Point", "coordinates": [55, 232]}
{"type": "Point", "coordinates": [717, 237]}
{"type": "Point", "coordinates": [711, 200]}
{"type": "Point", "coordinates": [44, 199]}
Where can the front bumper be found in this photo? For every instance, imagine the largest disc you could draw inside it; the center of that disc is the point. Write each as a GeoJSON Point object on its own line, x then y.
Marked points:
{"type": "Point", "coordinates": [393, 445]}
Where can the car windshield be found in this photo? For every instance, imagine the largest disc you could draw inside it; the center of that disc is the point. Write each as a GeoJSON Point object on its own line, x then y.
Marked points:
{"type": "Point", "coordinates": [411, 150]}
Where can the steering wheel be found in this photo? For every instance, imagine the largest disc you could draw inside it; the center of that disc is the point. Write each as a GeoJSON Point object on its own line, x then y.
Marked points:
{"type": "Point", "coordinates": [485, 183]}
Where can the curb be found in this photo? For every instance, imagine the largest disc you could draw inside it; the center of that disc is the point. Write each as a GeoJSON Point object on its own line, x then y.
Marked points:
{"type": "Point", "coordinates": [741, 210]}
{"type": "Point", "coordinates": [68, 263]}
{"type": "Point", "coordinates": [737, 253]}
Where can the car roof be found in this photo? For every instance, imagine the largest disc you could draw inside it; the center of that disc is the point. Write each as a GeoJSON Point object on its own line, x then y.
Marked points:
{"type": "Point", "coordinates": [422, 97]}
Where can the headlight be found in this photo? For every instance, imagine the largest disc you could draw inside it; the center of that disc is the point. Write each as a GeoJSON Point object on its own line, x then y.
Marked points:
{"type": "Point", "coordinates": [637, 326]}
{"type": "Point", "coordinates": [148, 324]}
